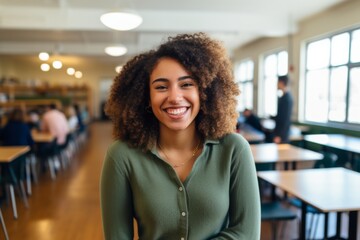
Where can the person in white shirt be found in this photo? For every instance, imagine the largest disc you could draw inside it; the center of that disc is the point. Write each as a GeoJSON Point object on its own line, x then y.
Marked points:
{"type": "Point", "coordinates": [55, 122]}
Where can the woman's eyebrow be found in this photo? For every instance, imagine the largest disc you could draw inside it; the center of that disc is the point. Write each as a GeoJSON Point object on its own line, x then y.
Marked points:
{"type": "Point", "coordinates": [185, 77]}
{"type": "Point", "coordinates": [160, 80]}
{"type": "Point", "coordinates": [166, 80]}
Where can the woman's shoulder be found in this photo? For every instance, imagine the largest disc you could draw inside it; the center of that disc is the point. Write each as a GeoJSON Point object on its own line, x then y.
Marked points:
{"type": "Point", "coordinates": [119, 146]}
{"type": "Point", "coordinates": [234, 139]}
{"type": "Point", "coordinates": [122, 156]}
{"type": "Point", "coordinates": [234, 142]}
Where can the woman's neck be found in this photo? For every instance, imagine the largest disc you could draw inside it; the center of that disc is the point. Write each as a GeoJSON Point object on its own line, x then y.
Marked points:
{"type": "Point", "coordinates": [184, 139]}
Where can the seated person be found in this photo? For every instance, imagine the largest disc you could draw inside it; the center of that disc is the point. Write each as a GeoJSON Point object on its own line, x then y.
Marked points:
{"type": "Point", "coordinates": [72, 119]}
{"type": "Point", "coordinates": [252, 120]}
{"type": "Point", "coordinates": [80, 118]}
{"type": "Point", "coordinates": [54, 121]}
{"type": "Point", "coordinates": [16, 132]}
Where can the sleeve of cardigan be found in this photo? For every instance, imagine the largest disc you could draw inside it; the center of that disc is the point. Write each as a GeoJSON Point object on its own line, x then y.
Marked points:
{"type": "Point", "coordinates": [116, 201]}
{"type": "Point", "coordinates": [244, 210]}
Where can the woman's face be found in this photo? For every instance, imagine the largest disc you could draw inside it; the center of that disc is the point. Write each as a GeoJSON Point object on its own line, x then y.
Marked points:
{"type": "Point", "coordinates": [174, 95]}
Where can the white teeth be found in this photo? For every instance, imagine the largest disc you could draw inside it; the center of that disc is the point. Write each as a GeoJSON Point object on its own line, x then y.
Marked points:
{"type": "Point", "coordinates": [176, 111]}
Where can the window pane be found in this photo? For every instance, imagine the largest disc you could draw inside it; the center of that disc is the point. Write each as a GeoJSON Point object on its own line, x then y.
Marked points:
{"type": "Point", "coordinates": [242, 72]}
{"type": "Point", "coordinates": [283, 63]}
{"type": "Point", "coordinates": [316, 99]}
{"type": "Point", "coordinates": [270, 96]}
{"type": "Point", "coordinates": [250, 70]}
{"type": "Point", "coordinates": [340, 49]}
{"type": "Point", "coordinates": [355, 46]}
{"type": "Point", "coordinates": [240, 103]}
{"type": "Point", "coordinates": [354, 101]}
{"type": "Point", "coordinates": [248, 98]}
{"type": "Point", "coordinates": [270, 65]}
{"type": "Point", "coordinates": [245, 76]}
{"type": "Point", "coordinates": [318, 54]}
{"type": "Point", "coordinates": [338, 85]}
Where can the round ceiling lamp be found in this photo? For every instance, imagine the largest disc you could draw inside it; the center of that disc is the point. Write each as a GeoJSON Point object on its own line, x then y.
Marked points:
{"type": "Point", "coordinates": [70, 71]}
{"type": "Point", "coordinates": [116, 50]}
{"type": "Point", "coordinates": [44, 56]}
{"type": "Point", "coordinates": [122, 20]}
{"type": "Point", "coordinates": [78, 74]}
{"type": "Point", "coordinates": [57, 64]}
{"type": "Point", "coordinates": [118, 69]}
{"type": "Point", "coordinates": [45, 67]}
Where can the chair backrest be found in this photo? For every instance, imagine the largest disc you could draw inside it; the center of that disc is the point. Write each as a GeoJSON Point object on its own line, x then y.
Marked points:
{"type": "Point", "coordinates": [328, 160]}
{"type": "Point", "coordinates": [17, 171]}
{"type": "Point", "coordinates": [275, 211]}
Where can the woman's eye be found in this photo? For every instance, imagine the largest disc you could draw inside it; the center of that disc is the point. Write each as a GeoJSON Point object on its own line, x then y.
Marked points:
{"type": "Point", "coordinates": [187, 85]}
{"type": "Point", "coordinates": [160, 87]}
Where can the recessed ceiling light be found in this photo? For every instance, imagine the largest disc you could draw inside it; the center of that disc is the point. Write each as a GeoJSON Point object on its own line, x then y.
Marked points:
{"type": "Point", "coordinates": [70, 71]}
{"type": "Point", "coordinates": [43, 56]}
{"type": "Point", "coordinates": [78, 74]}
{"type": "Point", "coordinates": [45, 67]}
{"type": "Point", "coordinates": [116, 50]}
{"type": "Point", "coordinates": [57, 64]}
{"type": "Point", "coordinates": [118, 69]}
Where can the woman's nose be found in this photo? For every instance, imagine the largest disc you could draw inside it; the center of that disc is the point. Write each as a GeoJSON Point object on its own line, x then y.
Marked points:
{"type": "Point", "coordinates": [174, 95]}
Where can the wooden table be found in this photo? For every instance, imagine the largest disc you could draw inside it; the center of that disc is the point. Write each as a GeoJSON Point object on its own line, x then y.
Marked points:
{"type": "Point", "coordinates": [8, 154]}
{"type": "Point", "coordinates": [328, 190]}
{"type": "Point", "coordinates": [282, 153]}
{"type": "Point", "coordinates": [42, 137]}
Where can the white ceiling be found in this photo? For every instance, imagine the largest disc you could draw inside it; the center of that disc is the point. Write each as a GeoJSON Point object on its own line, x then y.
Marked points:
{"type": "Point", "coordinates": [72, 27]}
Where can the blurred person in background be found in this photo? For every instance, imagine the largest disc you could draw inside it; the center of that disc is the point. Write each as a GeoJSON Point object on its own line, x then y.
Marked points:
{"type": "Point", "coordinates": [55, 122]}
{"type": "Point", "coordinates": [16, 132]}
{"type": "Point", "coordinates": [284, 109]}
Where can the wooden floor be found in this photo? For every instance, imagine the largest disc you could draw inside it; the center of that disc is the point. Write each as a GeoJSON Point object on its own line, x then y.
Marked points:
{"type": "Point", "coordinates": [68, 208]}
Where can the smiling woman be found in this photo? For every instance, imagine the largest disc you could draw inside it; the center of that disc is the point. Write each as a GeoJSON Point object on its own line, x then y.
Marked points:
{"type": "Point", "coordinates": [176, 166]}
{"type": "Point", "coordinates": [174, 95]}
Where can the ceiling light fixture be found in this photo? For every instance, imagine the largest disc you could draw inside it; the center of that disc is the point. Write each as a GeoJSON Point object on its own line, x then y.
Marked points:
{"type": "Point", "coordinates": [57, 64]}
{"type": "Point", "coordinates": [70, 71]}
{"type": "Point", "coordinates": [121, 20]}
{"type": "Point", "coordinates": [118, 69]}
{"type": "Point", "coordinates": [116, 50]}
{"type": "Point", "coordinates": [45, 67]}
{"type": "Point", "coordinates": [78, 74]}
{"type": "Point", "coordinates": [43, 56]}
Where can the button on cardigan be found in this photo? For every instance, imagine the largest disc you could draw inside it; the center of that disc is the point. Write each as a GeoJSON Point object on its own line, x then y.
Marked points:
{"type": "Point", "coordinates": [218, 200]}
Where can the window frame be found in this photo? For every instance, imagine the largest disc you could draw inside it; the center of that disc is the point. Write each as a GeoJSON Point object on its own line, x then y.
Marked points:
{"type": "Point", "coordinates": [262, 83]}
{"type": "Point", "coordinates": [330, 123]}
{"type": "Point", "coordinates": [241, 83]}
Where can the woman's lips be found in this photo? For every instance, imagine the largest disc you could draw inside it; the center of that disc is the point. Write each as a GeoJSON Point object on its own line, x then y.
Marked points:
{"type": "Point", "coordinates": [176, 112]}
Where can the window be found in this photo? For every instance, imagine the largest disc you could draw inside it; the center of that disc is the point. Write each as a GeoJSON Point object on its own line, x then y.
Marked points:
{"type": "Point", "coordinates": [275, 65]}
{"type": "Point", "coordinates": [354, 96]}
{"type": "Point", "coordinates": [332, 79]}
{"type": "Point", "coordinates": [244, 77]}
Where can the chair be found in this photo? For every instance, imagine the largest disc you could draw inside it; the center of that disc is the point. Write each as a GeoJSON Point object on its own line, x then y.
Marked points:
{"type": "Point", "coordinates": [13, 174]}
{"type": "Point", "coordinates": [63, 151]}
{"type": "Point", "coordinates": [3, 226]}
{"type": "Point", "coordinates": [48, 154]}
{"type": "Point", "coordinates": [329, 160]}
{"type": "Point", "coordinates": [275, 212]}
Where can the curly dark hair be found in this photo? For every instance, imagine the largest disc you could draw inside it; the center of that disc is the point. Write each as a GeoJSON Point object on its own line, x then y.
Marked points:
{"type": "Point", "coordinates": [207, 61]}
